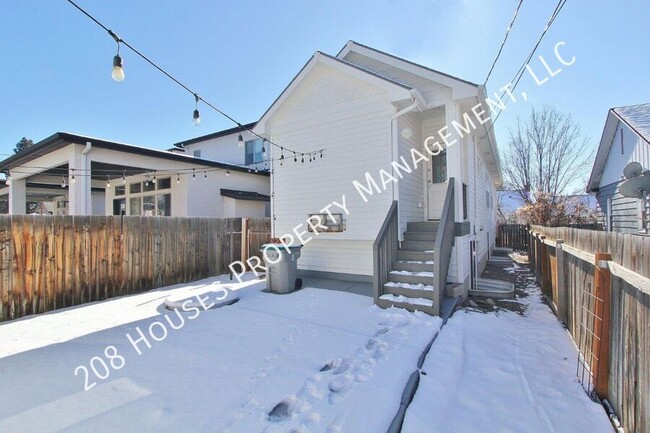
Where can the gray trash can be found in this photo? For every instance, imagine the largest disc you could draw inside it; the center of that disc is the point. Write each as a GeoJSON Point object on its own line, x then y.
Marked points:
{"type": "Point", "coordinates": [281, 267]}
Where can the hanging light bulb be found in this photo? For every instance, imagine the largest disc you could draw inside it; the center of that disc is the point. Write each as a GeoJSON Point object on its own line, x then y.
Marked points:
{"type": "Point", "coordinates": [118, 70]}
{"type": "Point", "coordinates": [295, 157]}
{"type": "Point", "coordinates": [205, 174]}
{"type": "Point", "coordinates": [193, 174]}
{"type": "Point", "coordinates": [303, 158]}
{"type": "Point", "coordinates": [108, 182]}
{"type": "Point", "coordinates": [8, 179]}
{"type": "Point", "coordinates": [72, 178]}
{"type": "Point", "coordinates": [63, 183]}
{"type": "Point", "coordinates": [263, 148]}
{"type": "Point", "coordinates": [154, 178]}
{"type": "Point", "coordinates": [240, 140]}
{"type": "Point", "coordinates": [178, 178]}
{"type": "Point", "coordinates": [321, 154]}
{"type": "Point", "coordinates": [196, 116]}
{"type": "Point", "coordinates": [227, 172]}
{"type": "Point", "coordinates": [124, 177]}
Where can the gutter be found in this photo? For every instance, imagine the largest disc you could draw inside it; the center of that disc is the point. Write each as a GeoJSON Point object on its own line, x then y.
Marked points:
{"type": "Point", "coordinates": [87, 178]}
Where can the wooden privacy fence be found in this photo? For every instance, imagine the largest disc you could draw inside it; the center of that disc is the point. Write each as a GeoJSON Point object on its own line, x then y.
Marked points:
{"type": "Point", "coordinates": [599, 285]}
{"type": "Point", "coordinates": [513, 236]}
{"type": "Point", "coordinates": [51, 262]}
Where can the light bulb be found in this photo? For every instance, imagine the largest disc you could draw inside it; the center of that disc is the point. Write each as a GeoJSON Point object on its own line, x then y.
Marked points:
{"type": "Point", "coordinates": [240, 141]}
{"type": "Point", "coordinates": [118, 71]}
{"type": "Point", "coordinates": [178, 178]}
{"type": "Point", "coordinates": [8, 180]}
{"type": "Point", "coordinates": [196, 118]}
{"type": "Point", "coordinates": [72, 179]}
{"type": "Point", "coordinates": [227, 172]}
{"type": "Point", "coordinates": [108, 184]}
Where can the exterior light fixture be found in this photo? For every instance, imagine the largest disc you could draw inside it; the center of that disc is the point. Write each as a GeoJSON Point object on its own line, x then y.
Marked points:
{"type": "Point", "coordinates": [196, 117]}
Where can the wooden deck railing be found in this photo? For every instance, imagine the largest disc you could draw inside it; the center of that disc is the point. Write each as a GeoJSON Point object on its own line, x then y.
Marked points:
{"type": "Point", "coordinates": [444, 242]}
{"type": "Point", "coordinates": [385, 250]}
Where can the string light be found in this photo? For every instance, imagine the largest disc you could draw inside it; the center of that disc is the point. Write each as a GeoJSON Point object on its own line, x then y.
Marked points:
{"type": "Point", "coordinates": [263, 148]}
{"type": "Point", "coordinates": [118, 67]}
{"type": "Point", "coordinates": [193, 174]}
{"type": "Point", "coordinates": [63, 184]}
{"type": "Point", "coordinates": [8, 179]}
{"type": "Point", "coordinates": [227, 172]}
{"type": "Point", "coordinates": [118, 70]}
{"type": "Point", "coordinates": [295, 157]}
{"type": "Point", "coordinates": [178, 178]}
{"type": "Point", "coordinates": [303, 158]}
{"type": "Point", "coordinates": [108, 182]}
{"type": "Point", "coordinates": [123, 177]}
{"type": "Point", "coordinates": [205, 174]}
{"type": "Point", "coordinates": [196, 116]}
{"type": "Point", "coordinates": [72, 178]}
{"type": "Point", "coordinates": [154, 178]}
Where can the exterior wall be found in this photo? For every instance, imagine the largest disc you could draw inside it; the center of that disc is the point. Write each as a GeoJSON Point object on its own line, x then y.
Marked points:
{"type": "Point", "coordinates": [634, 149]}
{"type": "Point", "coordinates": [350, 119]}
{"type": "Point", "coordinates": [199, 196]}
{"type": "Point", "coordinates": [222, 149]}
{"type": "Point", "coordinates": [99, 203]}
{"type": "Point", "coordinates": [233, 208]}
{"type": "Point", "coordinates": [412, 186]}
{"type": "Point", "coordinates": [623, 211]}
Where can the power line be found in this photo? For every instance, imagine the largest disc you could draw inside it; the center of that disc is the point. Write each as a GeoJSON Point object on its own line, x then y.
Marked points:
{"type": "Point", "coordinates": [196, 96]}
{"type": "Point", "coordinates": [512, 22]}
{"type": "Point", "coordinates": [522, 68]}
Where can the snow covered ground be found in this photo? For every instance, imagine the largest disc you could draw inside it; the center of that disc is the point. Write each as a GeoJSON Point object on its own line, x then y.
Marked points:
{"type": "Point", "coordinates": [504, 372]}
{"type": "Point", "coordinates": [219, 370]}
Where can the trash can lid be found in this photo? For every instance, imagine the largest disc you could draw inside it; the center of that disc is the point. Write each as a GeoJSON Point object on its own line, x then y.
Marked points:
{"type": "Point", "coordinates": [282, 246]}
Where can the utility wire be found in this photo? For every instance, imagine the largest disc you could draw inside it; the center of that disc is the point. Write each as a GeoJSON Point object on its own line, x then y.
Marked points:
{"type": "Point", "coordinates": [522, 68]}
{"type": "Point", "coordinates": [512, 22]}
{"type": "Point", "coordinates": [119, 40]}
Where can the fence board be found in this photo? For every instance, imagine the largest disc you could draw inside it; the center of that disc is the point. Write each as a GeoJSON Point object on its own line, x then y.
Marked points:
{"type": "Point", "coordinates": [629, 321]}
{"type": "Point", "coordinates": [50, 262]}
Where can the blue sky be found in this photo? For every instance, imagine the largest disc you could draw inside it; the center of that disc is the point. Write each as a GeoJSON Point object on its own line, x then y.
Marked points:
{"type": "Point", "coordinates": [241, 54]}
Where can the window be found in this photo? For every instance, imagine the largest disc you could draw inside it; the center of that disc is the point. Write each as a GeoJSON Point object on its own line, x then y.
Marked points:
{"type": "Point", "coordinates": [439, 167]}
{"type": "Point", "coordinates": [120, 190]}
{"type": "Point", "coordinates": [135, 188]}
{"type": "Point", "coordinates": [165, 183]}
{"type": "Point", "coordinates": [622, 147]}
{"type": "Point", "coordinates": [149, 205]}
{"type": "Point", "coordinates": [135, 206]}
{"type": "Point", "coordinates": [164, 205]}
{"type": "Point", "coordinates": [197, 153]}
{"type": "Point", "coordinates": [149, 186]}
{"type": "Point", "coordinates": [464, 201]}
{"type": "Point", "coordinates": [254, 151]}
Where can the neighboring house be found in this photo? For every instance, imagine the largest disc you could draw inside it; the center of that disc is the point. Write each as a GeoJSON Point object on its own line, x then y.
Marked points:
{"type": "Point", "coordinates": [224, 146]}
{"type": "Point", "coordinates": [625, 139]}
{"type": "Point", "coordinates": [366, 109]}
{"type": "Point", "coordinates": [81, 175]}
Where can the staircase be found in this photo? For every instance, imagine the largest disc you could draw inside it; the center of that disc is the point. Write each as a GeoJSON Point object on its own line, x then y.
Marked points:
{"type": "Point", "coordinates": [410, 282]}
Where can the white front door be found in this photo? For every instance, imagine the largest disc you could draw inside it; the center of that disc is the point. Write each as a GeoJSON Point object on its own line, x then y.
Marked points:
{"type": "Point", "coordinates": [436, 185]}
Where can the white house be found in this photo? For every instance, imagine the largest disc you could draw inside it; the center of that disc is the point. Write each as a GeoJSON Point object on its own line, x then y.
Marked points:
{"type": "Point", "coordinates": [372, 114]}
{"type": "Point", "coordinates": [89, 176]}
{"type": "Point", "coordinates": [625, 139]}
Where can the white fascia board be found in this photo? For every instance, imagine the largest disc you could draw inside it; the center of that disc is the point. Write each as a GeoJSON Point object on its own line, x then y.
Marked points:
{"type": "Point", "coordinates": [460, 89]}
{"type": "Point", "coordinates": [603, 151]}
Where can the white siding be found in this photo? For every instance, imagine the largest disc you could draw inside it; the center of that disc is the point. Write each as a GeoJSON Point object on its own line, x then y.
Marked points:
{"type": "Point", "coordinates": [634, 149]}
{"type": "Point", "coordinates": [222, 149]}
{"type": "Point", "coordinates": [411, 187]}
{"type": "Point", "coordinates": [350, 120]}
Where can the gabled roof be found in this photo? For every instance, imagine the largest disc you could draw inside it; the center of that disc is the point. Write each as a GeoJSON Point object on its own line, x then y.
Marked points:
{"type": "Point", "coordinates": [636, 117]}
{"type": "Point", "coordinates": [62, 139]}
{"type": "Point", "coordinates": [223, 133]}
{"type": "Point", "coordinates": [397, 91]}
{"type": "Point", "coordinates": [244, 195]}
{"type": "Point", "coordinates": [457, 84]}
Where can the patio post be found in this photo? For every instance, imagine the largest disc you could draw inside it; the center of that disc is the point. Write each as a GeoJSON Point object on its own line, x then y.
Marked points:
{"type": "Point", "coordinates": [18, 197]}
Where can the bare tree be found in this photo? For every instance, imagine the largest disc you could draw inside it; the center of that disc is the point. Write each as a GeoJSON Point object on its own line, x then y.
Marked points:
{"type": "Point", "coordinates": [546, 154]}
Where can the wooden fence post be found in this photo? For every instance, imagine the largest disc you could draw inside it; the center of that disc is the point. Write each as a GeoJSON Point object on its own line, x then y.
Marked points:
{"type": "Point", "coordinates": [244, 240]}
{"type": "Point", "coordinates": [544, 266]}
{"type": "Point", "coordinates": [561, 301]}
{"type": "Point", "coordinates": [600, 345]}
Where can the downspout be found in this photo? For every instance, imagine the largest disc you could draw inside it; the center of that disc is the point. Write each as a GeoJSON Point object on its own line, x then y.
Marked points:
{"type": "Point", "coordinates": [419, 102]}
{"type": "Point", "coordinates": [87, 176]}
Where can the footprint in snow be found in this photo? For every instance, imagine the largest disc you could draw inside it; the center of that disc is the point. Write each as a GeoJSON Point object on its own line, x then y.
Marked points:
{"type": "Point", "coordinates": [283, 410]}
{"type": "Point", "coordinates": [341, 384]}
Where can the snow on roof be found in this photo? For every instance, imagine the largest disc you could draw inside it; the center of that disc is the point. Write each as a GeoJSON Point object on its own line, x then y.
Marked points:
{"type": "Point", "coordinates": [637, 117]}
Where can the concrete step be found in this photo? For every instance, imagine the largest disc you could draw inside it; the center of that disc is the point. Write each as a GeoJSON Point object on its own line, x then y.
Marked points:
{"type": "Point", "coordinates": [423, 226]}
{"type": "Point", "coordinates": [414, 255]}
{"type": "Point", "coordinates": [410, 290]}
{"type": "Point", "coordinates": [420, 236]}
{"type": "Point", "coordinates": [417, 246]}
{"type": "Point", "coordinates": [433, 309]}
{"type": "Point", "coordinates": [413, 265]}
{"type": "Point", "coordinates": [412, 278]}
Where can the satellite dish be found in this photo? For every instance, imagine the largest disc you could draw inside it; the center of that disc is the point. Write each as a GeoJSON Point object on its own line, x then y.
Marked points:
{"type": "Point", "coordinates": [633, 169]}
{"type": "Point", "coordinates": [636, 187]}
